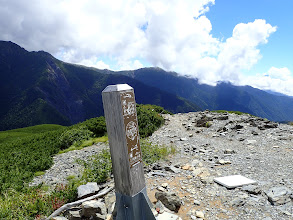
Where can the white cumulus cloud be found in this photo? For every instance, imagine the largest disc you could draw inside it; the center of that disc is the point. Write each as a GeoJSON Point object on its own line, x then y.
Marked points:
{"type": "Point", "coordinates": [275, 79]}
{"type": "Point", "coordinates": [171, 34]}
{"type": "Point", "coordinates": [241, 50]}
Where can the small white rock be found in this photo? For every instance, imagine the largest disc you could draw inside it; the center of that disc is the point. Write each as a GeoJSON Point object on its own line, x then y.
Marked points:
{"type": "Point", "coordinates": [199, 214]}
{"type": "Point", "coordinates": [165, 185]}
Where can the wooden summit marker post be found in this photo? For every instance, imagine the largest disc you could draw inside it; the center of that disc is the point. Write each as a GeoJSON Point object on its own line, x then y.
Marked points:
{"type": "Point", "coordinates": [132, 202]}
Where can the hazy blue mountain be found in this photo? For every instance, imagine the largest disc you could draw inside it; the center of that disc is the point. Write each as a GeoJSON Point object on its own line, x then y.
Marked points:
{"type": "Point", "coordinates": [224, 96]}
{"type": "Point", "coordinates": [36, 88]}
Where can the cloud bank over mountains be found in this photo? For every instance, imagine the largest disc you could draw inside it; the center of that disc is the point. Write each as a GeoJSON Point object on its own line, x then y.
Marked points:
{"type": "Point", "coordinates": [130, 34]}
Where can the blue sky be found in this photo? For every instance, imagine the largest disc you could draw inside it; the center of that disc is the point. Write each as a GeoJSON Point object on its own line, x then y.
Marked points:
{"type": "Point", "coordinates": [242, 41]}
{"type": "Point", "coordinates": [225, 14]}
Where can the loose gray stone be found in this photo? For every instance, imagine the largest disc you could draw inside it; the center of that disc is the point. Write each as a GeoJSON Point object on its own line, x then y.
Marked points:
{"type": "Point", "coordinates": [98, 216]}
{"type": "Point", "coordinates": [196, 202]}
{"type": "Point", "coordinates": [89, 189]}
{"type": "Point", "coordinates": [110, 199]}
{"type": "Point", "coordinates": [199, 214]}
{"type": "Point", "coordinates": [238, 202]}
{"type": "Point", "coordinates": [203, 121]}
{"type": "Point", "coordinates": [193, 217]}
{"type": "Point", "coordinates": [237, 127]}
{"type": "Point", "coordinates": [253, 189]}
{"type": "Point", "coordinates": [158, 174]}
{"type": "Point", "coordinates": [229, 151]}
{"type": "Point", "coordinates": [59, 218]}
{"type": "Point", "coordinates": [172, 169]}
{"type": "Point", "coordinates": [74, 215]}
{"type": "Point", "coordinates": [90, 208]}
{"type": "Point", "coordinates": [167, 216]}
{"type": "Point", "coordinates": [160, 188]}
{"type": "Point", "coordinates": [157, 166]}
{"type": "Point", "coordinates": [250, 142]}
{"type": "Point", "coordinates": [165, 185]}
{"type": "Point", "coordinates": [160, 207]}
{"type": "Point", "coordinates": [196, 163]}
{"type": "Point", "coordinates": [222, 117]}
{"type": "Point", "coordinates": [170, 200]}
{"type": "Point", "coordinates": [279, 195]}
{"type": "Point", "coordinates": [223, 162]}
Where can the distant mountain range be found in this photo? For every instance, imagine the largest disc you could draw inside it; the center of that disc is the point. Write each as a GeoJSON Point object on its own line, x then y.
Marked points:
{"type": "Point", "coordinates": [225, 96]}
{"type": "Point", "coordinates": [36, 88]}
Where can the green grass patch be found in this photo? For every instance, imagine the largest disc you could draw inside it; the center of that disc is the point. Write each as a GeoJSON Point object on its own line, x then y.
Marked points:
{"type": "Point", "coordinates": [152, 152]}
{"type": "Point", "coordinates": [84, 144]}
{"type": "Point", "coordinates": [11, 135]}
{"type": "Point", "coordinates": [39, 173]}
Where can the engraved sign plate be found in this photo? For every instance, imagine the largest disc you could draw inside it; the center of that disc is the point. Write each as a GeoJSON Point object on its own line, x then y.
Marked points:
{"type": "Point", "coordinates": [131, 128]}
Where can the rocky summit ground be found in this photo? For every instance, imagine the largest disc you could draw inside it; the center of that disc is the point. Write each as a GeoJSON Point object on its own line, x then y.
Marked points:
{"type": "Point", "coordinates": [211, 145]}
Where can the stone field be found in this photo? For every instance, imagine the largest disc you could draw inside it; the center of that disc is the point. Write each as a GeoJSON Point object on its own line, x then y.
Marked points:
{"type": "Point", "coordinates": [209, 145]}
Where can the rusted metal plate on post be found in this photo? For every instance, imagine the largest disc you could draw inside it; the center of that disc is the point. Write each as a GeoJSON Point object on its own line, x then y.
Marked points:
{"type": "Point", "coordinates": [131, 128]}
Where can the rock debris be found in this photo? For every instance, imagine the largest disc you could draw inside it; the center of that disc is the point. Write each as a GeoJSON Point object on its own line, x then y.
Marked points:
{"type": "Point", "coordinates": [209, 145]}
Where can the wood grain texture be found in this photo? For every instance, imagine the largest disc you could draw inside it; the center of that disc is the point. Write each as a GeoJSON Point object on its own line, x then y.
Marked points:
{"type": "Point", "coordinates": [128, 180]}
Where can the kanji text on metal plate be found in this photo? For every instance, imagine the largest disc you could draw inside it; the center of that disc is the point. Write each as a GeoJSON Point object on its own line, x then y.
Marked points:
{"type": "Point", "coordinates": [131, 128]}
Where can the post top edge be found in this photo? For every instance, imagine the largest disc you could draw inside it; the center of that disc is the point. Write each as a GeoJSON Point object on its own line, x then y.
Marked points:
{"type": "Point", "coordinates": [117, 88]}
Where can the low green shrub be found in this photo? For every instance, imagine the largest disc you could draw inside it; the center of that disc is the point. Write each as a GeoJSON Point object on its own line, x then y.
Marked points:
{"type": "Point", "coordinates": [74, 136]}
{"type": "Point", "coordinates": [152, 152]}
{"type": "Point", "coordinates": [99, 168]}
{"type": "Point", "coordinates": [95, 125]}
{"type": "Point", "coordinates": [34, 202]}
{"type": "Point", "coordinates": [27, 152]}
{"type": "Point", "coordinates": [208, 124]}
{"type": "Point", "coordinates": [149, 119]}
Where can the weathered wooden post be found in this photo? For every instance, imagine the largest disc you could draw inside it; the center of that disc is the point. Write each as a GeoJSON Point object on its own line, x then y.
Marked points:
{"type": "Point", "coordinates": [132, 202]}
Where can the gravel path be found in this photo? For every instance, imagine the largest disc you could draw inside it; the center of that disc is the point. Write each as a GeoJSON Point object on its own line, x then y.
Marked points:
{"type": "Point", "coordinates": [66, 165]}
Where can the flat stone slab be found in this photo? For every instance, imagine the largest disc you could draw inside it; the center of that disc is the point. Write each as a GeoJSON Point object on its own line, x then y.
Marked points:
{"type": "Point", "coordinates": [234, 181]}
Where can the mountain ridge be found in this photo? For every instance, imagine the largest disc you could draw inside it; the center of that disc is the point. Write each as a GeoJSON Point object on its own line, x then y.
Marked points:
{"type": "Point", "coordinates": [223, 96]}
{"type": "Point", "coordinates": [36, 88]}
